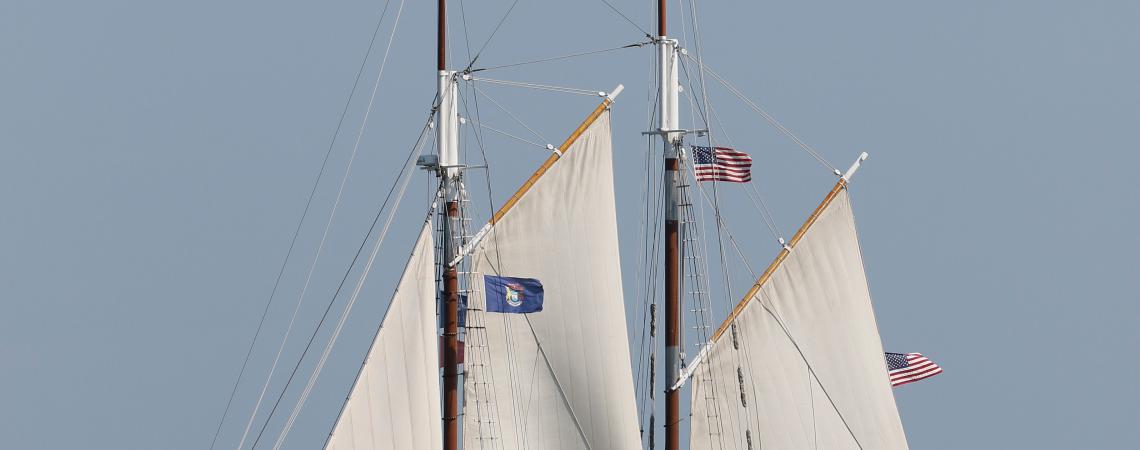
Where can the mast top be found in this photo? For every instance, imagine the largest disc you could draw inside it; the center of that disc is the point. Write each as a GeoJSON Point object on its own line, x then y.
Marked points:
{"type": "Point", "coordinates": [441, 38]}
{"type": "Point", "coordinates": [660, 17]}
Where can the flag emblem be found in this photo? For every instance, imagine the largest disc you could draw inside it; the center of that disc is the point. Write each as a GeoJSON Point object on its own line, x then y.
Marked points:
{"type": "Point", "coordinates": [721, 164]}
{"type": "Point", "coordinates": [512, 294]}
{"type": "Point", "coordinates": [910, 367]}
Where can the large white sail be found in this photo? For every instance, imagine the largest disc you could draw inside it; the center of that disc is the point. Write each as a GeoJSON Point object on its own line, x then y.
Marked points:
{"type": "Point", "coordinates": [804, 367]}
{"type": "Point", "coordinates": [395, 403]}
{"type": "Point", "coordinates": [559, 378]}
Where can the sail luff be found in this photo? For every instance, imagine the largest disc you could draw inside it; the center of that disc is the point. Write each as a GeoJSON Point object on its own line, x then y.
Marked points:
{"type": "Point", "coordinates": [399, 371]}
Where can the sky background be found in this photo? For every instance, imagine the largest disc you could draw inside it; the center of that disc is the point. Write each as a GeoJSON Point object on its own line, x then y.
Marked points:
{"type": "Point", "coordinates": [155, 158]}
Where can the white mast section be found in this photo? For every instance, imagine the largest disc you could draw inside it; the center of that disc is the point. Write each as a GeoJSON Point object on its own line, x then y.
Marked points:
{"type": "Point", "coordinates": [669, 113]}
{"type": "Point", "coordinates": [447, 124]}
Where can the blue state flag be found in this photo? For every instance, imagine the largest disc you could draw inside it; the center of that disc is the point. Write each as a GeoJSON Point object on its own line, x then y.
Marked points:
{"type": "Point", "coordinates": [513, 295]}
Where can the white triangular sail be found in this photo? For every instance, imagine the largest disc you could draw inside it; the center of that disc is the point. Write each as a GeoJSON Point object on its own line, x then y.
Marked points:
{"type": "Point", "coordinates": [395, 402]}
{"type": "Point", "coordinates": [559, 378]}
{"type": "Point", "coordinates": [804, 367]}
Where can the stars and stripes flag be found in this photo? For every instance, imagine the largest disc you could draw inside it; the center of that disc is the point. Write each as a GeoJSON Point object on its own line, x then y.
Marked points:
{"type": "Point", "coordinates": [910, 367]}
{"type": "Point", "coordinates": [721, 164]}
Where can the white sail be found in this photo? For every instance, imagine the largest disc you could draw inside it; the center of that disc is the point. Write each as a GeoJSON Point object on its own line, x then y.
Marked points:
{"type": "Point", "coordinates": [395, 403]}
{"type": "Point", "coordinates": [559, 378]}
{"type": "Point", "coordinates": [804, 368]}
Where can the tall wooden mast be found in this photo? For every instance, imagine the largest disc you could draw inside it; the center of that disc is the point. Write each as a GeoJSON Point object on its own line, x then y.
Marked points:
{"type": "Point", "coordinates": [671, 136]}
{"type": "Point", "coordinates": [447, 129]}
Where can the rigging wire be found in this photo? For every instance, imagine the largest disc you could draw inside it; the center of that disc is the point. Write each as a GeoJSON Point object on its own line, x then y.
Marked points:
{"type": "Point", "coordinates": [543, 87]}
{"type": "Point", "coordinates": [493, 33]}
{"type": "Point", "coordinates": [627, 19]}
{"type": "Point", "coordinates": [344, 315]}
{"type": "Point", "coordinates": [300, 222]}
{"type": "Point", "coordinates": [340, 191]}
{"type": "Point", "coordinates": [767, 117]}
{"type": "Point", "coordinates": [328, 226]}
{"type": "Point", "coordinates": [561, 57]}
{"type": "Point", "coordinates": [504, 133]}
{"type": "Point", "coordinates": [720, 223]}
{"type": "Point", "coordinates": [416, 149]}
{"type": "Point", "coordinates": [509, 113]}
{"type": "Point", "coordinates": [649, 255]}
{"type": "Point", "coordinates": [749, 188]}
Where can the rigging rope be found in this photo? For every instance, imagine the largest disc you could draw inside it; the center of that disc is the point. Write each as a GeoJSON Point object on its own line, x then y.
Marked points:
{"type": "Point", "coordinates": [475, 357]}
{"type": "Point", "coordinates": [721, 226]}
{"type": "Point", "coordinates": [509, 113]}
{"type": "Point", "coordinates": [359, 136]}
{"type": "Point", "coordinates": [416, 149]}
{"type": "Point", "coordinates": [343, 317]}
{"type": "Point", "coordinates": [328, 226]}
{"type": "Point", "coordinates": [297, 230]}
{"type": "Point", "coordinates": [627, 19]}
{"type": "Point", "coordinates": [767, 117]}
{"type": "Point", "coordinates": [749, 188]}
{"type": "Point", "coordinates": [504, 133]}
{"type": "Point", "coordinates": [557, 58]}
{"type": "Point", "coordinates": [493, 33]}
{"type": "Point", "coordinates": [320, 363]}
{"type": "Point", "coordinates": [543, 87]}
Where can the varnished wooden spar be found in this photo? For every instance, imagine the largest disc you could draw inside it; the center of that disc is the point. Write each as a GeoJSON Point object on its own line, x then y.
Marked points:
{"type": "Point", "coordinates": [839, 186]}
{"type": "Point", "coordinates": [550, 160]}
{"type": "Point", "coordinates": [538, 174]}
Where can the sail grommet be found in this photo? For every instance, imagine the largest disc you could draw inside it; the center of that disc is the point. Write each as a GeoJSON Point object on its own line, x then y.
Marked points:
{"type": "Point", "coordinates": [554, 149]}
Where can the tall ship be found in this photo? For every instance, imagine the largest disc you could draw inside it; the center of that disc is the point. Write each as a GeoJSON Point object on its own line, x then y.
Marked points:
{"type": "Point", "coordinates": [511, 332]}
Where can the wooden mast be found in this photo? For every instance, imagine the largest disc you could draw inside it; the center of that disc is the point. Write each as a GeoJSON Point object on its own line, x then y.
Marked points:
{"type": "Point", "coordinates": [450, 225]}
{"type": "Point", "coordinates": [672, 141]}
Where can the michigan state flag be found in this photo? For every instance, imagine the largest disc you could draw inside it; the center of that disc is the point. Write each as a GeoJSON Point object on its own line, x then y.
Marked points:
{"type": "Point", "coordinates": [513, 295]}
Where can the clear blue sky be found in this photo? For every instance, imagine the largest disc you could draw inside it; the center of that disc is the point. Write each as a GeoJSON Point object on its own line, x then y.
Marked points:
{"type": "Point", "coordinates": [155, 156]}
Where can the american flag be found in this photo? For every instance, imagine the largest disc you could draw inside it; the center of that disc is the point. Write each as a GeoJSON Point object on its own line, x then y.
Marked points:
{"type": "Point", "coordinates": [721, 164]}
{"type": "Point", "coordinates": [910, 367]}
